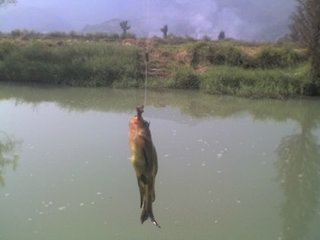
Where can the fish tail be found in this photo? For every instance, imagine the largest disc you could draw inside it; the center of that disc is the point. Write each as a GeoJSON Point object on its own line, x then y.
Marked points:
{"type": "Point", "coordinates": [149, 214]}
{"type": "Point", "coordinates": [144, 215]}
{"type": "Point", "coordinates": [147, 208]}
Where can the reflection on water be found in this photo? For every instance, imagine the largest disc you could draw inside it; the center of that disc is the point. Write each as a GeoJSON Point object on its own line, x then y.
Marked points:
{"type": "Point", "coordinates": [8, 155]}
{"type": "Point", "coordinates": [218, 160]}
{"type": "Point", "coordinates": [299, 168]}
{"type": "Point", "coordinates": [192, 103]}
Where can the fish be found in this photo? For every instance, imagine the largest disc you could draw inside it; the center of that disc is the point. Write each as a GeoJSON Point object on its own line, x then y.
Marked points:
{"type": "Point", "coordinates": [144, 161]}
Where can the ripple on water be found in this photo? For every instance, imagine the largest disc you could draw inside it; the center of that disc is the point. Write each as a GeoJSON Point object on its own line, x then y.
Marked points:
{"type": "Point", "coordinates": [62, 208]}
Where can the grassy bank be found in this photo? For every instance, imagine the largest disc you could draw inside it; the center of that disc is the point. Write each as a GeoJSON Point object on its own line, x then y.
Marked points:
{"type": "Point", "coordinates": [274, 83]}
{"type": "Point", "coordinates": [70, 63]}
{"type": "Point", "coordinates": [216, 67]}
{"type": "Point", "coordinates": [240, 69]}
{"type": "Point", "coordinates": [252, 83]}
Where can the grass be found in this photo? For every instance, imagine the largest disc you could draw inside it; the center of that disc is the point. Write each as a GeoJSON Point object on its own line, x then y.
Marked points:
{"type": "Point", "coordinates": [76, 63]}
{"type": "Point", "coordinates": [227, 67]}
{"type": "Point", "coordinates": [247, 56]}
{"type": "Point", "coordinates": [256, 83]}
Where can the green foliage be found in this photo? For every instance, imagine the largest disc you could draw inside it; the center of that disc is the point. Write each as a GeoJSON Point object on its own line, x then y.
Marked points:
{"type": "Point", "coordinates": [228, 53]}
{"type": "Point", "coordinates": [255, 83]}
{"type": "Point", "coordinates": [206, 38]}
{"type": "Point", "coordinates": [5, 49]}
{"type": "Point", "coordinates": [217, 67]}
{"type": "Point", "coordinates": [16, 33]}
{"type": "Point", "coordinates": [270, 57]}
{"type": "Point", "coordinates": [83, 64]}
{"type": "Point", "coordinates": [218, 54]}
{"type": "Point", "coordinates": [186, 78]}
{"type": "Point", "coordinates": [57, 35]}
{"type": "Point", "coordinates": [199, 53]}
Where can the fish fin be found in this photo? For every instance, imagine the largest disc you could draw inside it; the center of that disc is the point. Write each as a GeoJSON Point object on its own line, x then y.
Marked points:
{"type": "Point", "coordinates": [141, 185]}
{"type": "Point", "coordinates": [147, 207]}
{"type": "Point", "coordinates": [148, 214]}
{"type": "Point", "coordinates": [155, 222]}
{"type": "Point", "coordinates": [144, 216]}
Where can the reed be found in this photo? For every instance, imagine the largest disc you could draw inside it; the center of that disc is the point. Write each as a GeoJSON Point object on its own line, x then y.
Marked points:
{"type": "Point", "coordinates": [70, 63]}
{"type": "Point", "coordinates": [256, 83]}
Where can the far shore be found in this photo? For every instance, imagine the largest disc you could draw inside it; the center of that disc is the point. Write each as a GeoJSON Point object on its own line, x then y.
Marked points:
{"type": "Point", "coordinates": [255, 70]}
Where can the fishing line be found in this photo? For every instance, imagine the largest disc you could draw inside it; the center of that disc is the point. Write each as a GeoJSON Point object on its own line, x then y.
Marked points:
{"type": "Point", "coordinates": [147, 54]}
{"type": "Point", "coordinates": [146, 76]}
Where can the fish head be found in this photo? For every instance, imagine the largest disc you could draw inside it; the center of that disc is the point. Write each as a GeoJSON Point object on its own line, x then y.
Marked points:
{"type": "Point", "coordinates": [139, 129]}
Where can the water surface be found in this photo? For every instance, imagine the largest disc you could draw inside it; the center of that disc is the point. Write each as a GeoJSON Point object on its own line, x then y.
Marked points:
{"type": "Point", "coordinates": [229, 168]}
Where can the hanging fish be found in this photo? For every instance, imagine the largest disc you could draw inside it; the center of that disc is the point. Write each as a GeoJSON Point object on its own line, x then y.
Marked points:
{"type": "Point", "coordinates": [145, 163]}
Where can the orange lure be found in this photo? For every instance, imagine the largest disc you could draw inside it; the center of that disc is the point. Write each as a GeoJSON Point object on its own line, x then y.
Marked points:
{"type": "Point", "coordinates": [145, 163]}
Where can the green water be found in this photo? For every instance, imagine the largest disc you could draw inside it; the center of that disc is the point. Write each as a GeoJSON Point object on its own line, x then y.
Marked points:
{"type": "Point", "coordinates": [229, 168]}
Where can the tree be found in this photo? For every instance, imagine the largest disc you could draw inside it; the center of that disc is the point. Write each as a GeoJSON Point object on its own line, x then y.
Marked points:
{"type": "Point", "coordinates": [298, 168]}
{"type": "Point", "coordinates": [164, 30]}
{"type": "Point", "coordinates": [125, 27]}
{"type": "Point", "coordinates": [221, 35]}
{"type": "Point", "coordinates": [305, 28]}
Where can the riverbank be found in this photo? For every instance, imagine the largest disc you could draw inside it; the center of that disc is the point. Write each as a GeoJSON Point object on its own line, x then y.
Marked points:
{"type": "Point", "coordinates": [215, 67]}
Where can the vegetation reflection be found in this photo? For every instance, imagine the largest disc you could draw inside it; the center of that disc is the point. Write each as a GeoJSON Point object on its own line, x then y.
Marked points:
{"type": "Point", "coordinates": [299, 168]}
{"type": "Point", "coordinates": [8, 155]}
{"type": "Point", "coordinates": [191, 103]}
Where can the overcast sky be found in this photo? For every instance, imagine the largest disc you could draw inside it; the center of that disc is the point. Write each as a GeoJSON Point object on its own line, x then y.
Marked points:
{"type": "Point", "coordinates": [245, 19]}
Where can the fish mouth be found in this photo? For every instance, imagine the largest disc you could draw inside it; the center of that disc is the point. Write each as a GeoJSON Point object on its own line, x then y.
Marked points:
{"type": "Point", "coordinates": [140, 110]}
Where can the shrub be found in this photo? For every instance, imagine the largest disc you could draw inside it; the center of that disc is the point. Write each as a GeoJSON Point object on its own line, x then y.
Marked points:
{"type": "Point", "coordinates": [271, 57]}
{"type": "Point", "coordinates": [16, 33]}
{"type": "Point", "coordinates": [186, 78]}
{"type": "Point", "coordinates": [226, 54]}
{"type": "Point", "coordinates": [218, 54]}
{"type": "Point", "coordinates": [199, 53]}
{"type": "Point", "coordinates": [5, 49]}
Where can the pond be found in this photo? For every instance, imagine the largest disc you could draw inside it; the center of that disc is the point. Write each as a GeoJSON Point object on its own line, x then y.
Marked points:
{"type": "Point", "coordinates": [229, 168]}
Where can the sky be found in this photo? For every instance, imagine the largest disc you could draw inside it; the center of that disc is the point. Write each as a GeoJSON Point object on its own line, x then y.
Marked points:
{"type": "Point", "coordinates": [241, 19]}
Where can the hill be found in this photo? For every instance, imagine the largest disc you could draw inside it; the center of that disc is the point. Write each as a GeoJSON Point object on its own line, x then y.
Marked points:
{"type": "Point", "coordinates": [111, 26]}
